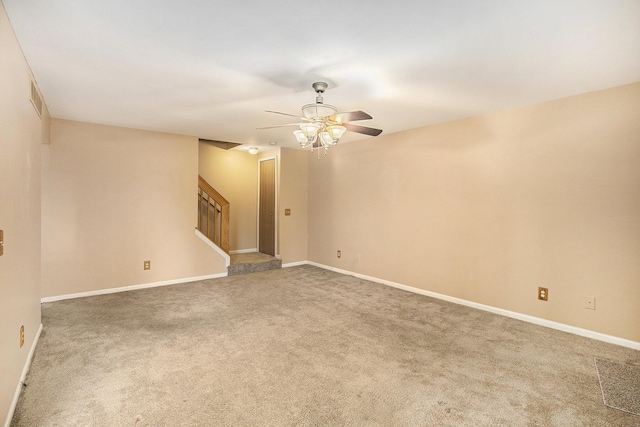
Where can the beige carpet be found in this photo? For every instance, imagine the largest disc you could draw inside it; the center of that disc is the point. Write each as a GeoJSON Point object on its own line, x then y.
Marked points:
{"type": "Point", "coordinates": [304, 346]}
{"type": "Point", "coordinates": [252, 262]}
{"type": "Point", "coordinates": [620, 384]}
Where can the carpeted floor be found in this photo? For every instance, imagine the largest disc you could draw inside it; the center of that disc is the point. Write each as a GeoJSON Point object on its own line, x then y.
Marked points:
{"type": "Point", "coordinates": [620, 384]}
{"type": "Point", "coordinates": [303, 346]}
{"type": "Point", "coordinates": [252, 262]}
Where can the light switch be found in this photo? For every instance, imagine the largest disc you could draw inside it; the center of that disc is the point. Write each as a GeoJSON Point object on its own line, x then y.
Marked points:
{"type": "Point", "coordinates": [1, 242]}
{"type": "Point", "coordinates": [287, 212]}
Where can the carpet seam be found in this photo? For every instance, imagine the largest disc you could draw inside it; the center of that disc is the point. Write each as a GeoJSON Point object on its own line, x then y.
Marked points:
{"type": "Point", "coordinates": [604, 400]}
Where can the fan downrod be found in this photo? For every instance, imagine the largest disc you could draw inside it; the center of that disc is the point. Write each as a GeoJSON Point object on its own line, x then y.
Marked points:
{"type": "Point", "coordinates": [319, 87]}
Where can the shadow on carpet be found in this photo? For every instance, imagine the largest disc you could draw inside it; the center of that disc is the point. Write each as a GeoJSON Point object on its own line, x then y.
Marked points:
{"type": "Point", "coordinates": [620, 384]}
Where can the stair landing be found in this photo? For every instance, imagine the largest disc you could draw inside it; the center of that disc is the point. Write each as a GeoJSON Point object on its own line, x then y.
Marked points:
{"type": "Point", "coordinates": [252, 262]}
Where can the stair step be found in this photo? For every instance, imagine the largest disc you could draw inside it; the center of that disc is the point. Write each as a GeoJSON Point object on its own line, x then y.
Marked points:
{"type": "Point", "coordinates": [252, 262]}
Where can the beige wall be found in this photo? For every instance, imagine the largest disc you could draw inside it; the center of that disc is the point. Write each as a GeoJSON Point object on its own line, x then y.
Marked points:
{"type": "Point", "coordinates": [489, 208]}
{"type": "Point", "coordinates": [113, 198]}
{"type": "Point", "coordinates": [21, 131]}
{"type": "Point", "coordinates": [293, 187]}
{"type": "Point", "coordinates": [233, 174]}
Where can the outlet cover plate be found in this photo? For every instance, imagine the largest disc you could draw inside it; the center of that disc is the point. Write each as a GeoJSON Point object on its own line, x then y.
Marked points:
{"type": "Point", "coordinates": [543, 294]}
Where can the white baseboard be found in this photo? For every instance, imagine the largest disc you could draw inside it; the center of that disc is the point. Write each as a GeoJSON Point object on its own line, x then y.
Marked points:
{"type": "Point", "coordinates": [519, 316]}
{"type": "Point", "coordinates": [23, 375]}
{"type": "Point", "coordinates": [130, 288]}
{"type": "Point", "coordinates": [293, 264]}
{"type": "Point", "coordinates": [243, 251]}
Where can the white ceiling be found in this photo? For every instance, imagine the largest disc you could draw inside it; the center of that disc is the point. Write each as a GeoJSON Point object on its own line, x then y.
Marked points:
{"type": "Point", "coordinates": [211, 68]}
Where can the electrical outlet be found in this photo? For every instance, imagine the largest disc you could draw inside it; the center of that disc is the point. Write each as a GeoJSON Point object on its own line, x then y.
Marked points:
{"type": "Point", "coordinates": [287, 212]}
{"type": "Point", "coordinates": [21, 336]}
{"type": "Point", "coordinates": [1, 242]}
{"type": "Point", "coordinates": [590, 302]}
{"type": "Point", "coordinates": [339, 254]}
{"type": "Point", "coordinates": [543, 294]}
{"type": "Point", "coordinates": [147, 265]}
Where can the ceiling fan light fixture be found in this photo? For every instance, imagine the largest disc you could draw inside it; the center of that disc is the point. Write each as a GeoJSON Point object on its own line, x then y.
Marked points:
{"type": "Point", "coordinates": [326, 140]}
{"type": "Point", "coordinates": [302, 138]}
{"type": "Point", "coordinates": [310, 130]}
{"type": "Point", "coordinates": [336, 132]}
{"type": "Point", "coordinates": [323, 126]}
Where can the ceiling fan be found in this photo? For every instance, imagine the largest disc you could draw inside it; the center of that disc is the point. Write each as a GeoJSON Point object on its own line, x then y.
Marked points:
{"type": "Point", "coordinates": [322, 125]}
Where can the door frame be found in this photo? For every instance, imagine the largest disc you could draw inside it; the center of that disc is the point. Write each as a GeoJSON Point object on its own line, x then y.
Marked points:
{"type": "Point", "coordinates": [276, 240]}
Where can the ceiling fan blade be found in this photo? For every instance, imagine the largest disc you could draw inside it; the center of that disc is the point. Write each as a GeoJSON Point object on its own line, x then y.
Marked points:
{"type": "Point", "coordinates": [281, 126]}
{"type": "Point", "coordinates": [287, 114]}
{"type": "Point", "coordinates": [350, 116]}
{"type": "Point", "coordinates": [362, 129]}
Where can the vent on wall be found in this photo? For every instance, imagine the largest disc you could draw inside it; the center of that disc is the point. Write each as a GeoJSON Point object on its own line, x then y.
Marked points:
{"type": "Point", "coordinates": [36, 98]}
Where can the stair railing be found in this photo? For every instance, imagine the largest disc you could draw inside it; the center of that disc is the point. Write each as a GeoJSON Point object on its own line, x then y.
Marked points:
{"type": "Point", "coordinates": [213, 215]}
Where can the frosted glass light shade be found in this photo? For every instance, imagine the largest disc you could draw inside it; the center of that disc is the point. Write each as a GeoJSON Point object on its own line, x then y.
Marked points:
{"type": "Point", "coordinates": [312, 111]}
{"type": "Point", "coordinates": [300, 136]}
{"type": "Point", "coordinates": [302, 139]}
{"type": "Point", "coordinates": [331, 135]}
{"type": "Point", "coordinates": [310, 130]}
{"type": "Point", "coordinates": [336, 132]}
{"type": "Point", "coordinates": [325, 139]}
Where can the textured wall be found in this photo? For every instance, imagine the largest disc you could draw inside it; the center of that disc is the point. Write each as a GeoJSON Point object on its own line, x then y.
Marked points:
{"type": "Point", "coordinates": [489, 208]}
{"type": "Point", "coordinates": [113, 198]}
{"type": "Point", "coordinates": [21, 134]}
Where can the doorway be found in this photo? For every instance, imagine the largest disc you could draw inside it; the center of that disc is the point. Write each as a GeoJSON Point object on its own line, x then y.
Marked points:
{"type": "Point", "coordinates": [267, 207]}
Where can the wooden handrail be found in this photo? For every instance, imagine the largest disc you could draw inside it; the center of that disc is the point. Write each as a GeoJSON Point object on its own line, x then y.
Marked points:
{"type": "Point", "coordinates": [210, 200]}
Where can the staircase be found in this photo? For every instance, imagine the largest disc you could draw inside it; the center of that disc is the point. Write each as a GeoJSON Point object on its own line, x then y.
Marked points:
{"type": "Point", "coordinates": [213, 223]}
{"type": "Point", "coordinates": [252, 262]}
{"type": "Point", "coordinates": [213, 218]}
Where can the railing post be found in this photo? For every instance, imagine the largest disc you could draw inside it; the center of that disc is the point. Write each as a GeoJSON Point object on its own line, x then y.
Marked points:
{"type": "Point", "coordinates": [224, 232]}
